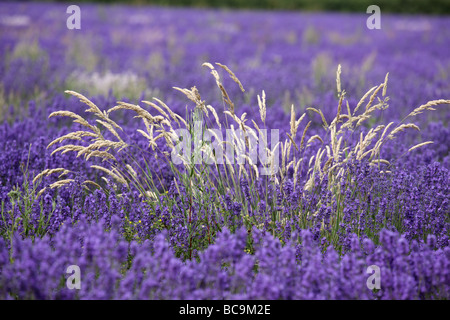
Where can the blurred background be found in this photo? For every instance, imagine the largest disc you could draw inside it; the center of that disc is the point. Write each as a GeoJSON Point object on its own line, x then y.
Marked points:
{"type": "Point", "coordinates": [140, 49]}
{"type": "Point", "coordinates": [394, 6]}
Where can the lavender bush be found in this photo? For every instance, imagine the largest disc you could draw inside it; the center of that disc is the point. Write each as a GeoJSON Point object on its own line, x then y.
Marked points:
{"type": "Point", "coordinates": [363, 155]}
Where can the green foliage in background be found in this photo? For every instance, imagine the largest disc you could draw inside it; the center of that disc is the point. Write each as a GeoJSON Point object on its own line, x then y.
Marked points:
{"type": "Point", "coordinates": [397, 6]}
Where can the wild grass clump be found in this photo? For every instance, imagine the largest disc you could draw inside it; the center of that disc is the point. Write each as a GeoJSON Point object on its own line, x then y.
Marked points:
{"type": "Point", "coordinates": [208, 193]}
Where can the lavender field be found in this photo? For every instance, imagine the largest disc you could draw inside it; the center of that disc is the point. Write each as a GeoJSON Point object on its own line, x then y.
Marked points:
{"type": "Point", "coordinates": [336, 186]}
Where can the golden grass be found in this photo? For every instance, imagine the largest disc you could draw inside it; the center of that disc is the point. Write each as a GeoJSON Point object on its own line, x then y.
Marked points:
{"type": "Point", "coordinates": [328, 159]}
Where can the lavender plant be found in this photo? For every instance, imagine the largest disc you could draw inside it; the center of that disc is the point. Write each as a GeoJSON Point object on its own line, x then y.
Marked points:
{"type": "Point", "coordinates": [205, 191]}
{"type": "Point", "coordinates": [355, 187]}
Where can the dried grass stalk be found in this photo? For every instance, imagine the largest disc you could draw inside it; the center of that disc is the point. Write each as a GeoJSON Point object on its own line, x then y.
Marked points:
{"type": "Point", "coordinates": [420, 145]}
{"type": "Point", "coordinates": [232, 75]}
